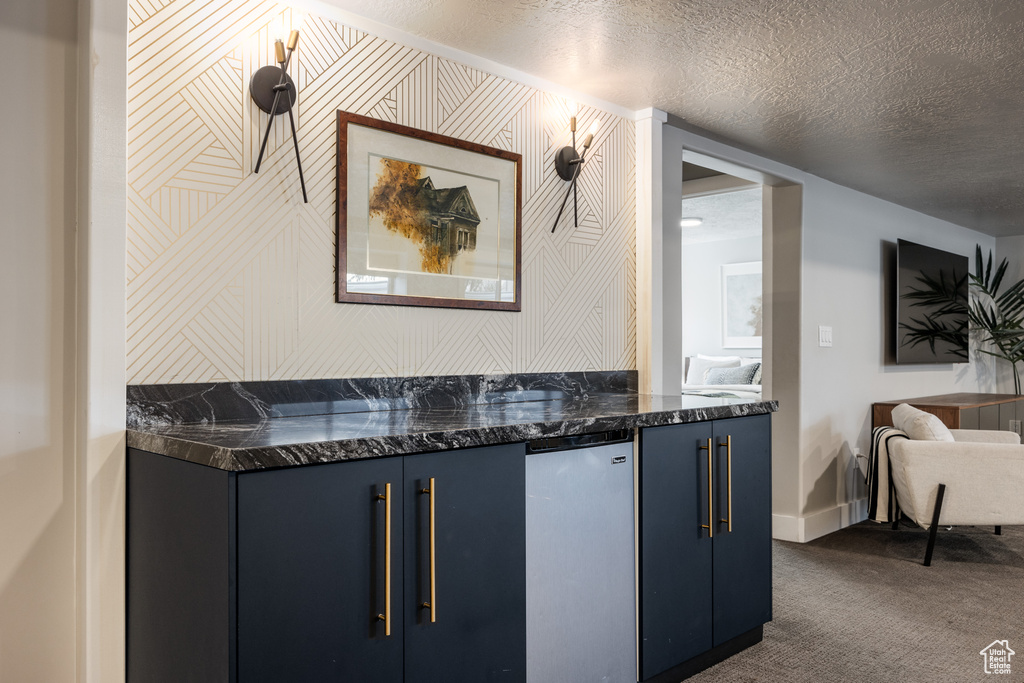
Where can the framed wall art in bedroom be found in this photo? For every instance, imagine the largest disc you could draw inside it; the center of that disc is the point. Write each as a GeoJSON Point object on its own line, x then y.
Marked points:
{"type": "Point", "coordinates": [741, 305]}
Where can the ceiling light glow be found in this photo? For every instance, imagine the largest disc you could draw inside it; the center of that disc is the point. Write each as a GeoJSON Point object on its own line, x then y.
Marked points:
{"type": "Point", "coordinates": [690, 222]}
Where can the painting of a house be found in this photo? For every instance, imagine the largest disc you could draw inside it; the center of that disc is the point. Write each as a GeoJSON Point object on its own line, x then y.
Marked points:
{"type": "Point", "coordinates": [443, 222]}
{"type": "Point", "coordinates": [452, 217]}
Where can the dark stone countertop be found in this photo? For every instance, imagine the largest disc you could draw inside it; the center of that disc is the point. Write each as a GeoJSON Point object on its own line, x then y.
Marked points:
{"type": "Point", "coordinates": [280, 441]}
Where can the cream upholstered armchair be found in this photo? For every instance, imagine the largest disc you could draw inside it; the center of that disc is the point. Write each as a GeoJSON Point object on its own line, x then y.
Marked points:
{"type": "Point", "coordinates": [955, 477]}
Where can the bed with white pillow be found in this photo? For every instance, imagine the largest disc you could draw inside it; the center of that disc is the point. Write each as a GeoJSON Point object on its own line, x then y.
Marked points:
{"type": "Point", "coordinates": [725, 376]}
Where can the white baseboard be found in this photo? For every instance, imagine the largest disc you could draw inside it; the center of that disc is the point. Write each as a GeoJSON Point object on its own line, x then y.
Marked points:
{"type": "Point", "coordinates": [786, 528]}
{"type": "Point", "coordinates": [818, 524]}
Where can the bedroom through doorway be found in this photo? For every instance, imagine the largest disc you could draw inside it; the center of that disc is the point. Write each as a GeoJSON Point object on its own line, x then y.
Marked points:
{"type": "Point", "coordinates": [722, 293]}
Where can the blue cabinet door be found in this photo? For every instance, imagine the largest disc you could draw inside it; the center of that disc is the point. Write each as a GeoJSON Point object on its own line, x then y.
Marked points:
{"type": "Point", "coordinates": [742, 582]}
{"type": "Point", "coordinates": [311, 573]}
{"type": "Point", "coordinates": [478, 582]}
{"type": "Point", "coordinates": [675, 551]}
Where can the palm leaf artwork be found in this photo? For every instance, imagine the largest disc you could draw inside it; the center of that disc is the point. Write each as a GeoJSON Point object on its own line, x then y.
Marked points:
{"type": "Point", "coordinates": [944, 313]}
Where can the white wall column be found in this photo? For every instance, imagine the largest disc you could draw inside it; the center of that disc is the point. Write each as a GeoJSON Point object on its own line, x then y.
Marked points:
{"type": "Point", "coordinates": [782, 255]}
{"type": "Point", "coordinates": [658, 285]}
{"type": "Point", "coordinates": [670, 310]}
{"type": "Point", "coordinates": [100, 444]}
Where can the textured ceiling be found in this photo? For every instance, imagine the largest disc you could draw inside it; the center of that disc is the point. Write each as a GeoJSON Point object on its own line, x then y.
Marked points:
{"type": "Point", "coordinates": [915, 101]}
{"type": "Point", "coordinates": [728, 216]}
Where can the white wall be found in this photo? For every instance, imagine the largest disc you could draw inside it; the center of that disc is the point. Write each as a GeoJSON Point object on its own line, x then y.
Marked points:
{"type": "Point", "coordinates": [843, 263]}
{"type": "Point", "coordinates": [1012, 249]}
{"type": "Point", "coordinates": [37, 327]}
{"type": "Point", "coordinates": [702, 293]}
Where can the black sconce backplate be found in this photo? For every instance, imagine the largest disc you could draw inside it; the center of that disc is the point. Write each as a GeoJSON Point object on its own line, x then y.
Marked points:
{"type": "Point", "coordinates": [564, 162]}
{"type": "Point", "coordinates": [262, 85]}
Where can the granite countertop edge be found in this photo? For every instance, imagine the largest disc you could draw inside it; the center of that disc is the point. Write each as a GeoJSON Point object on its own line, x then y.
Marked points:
{"type": "Point", "coordinates": [246, 458]}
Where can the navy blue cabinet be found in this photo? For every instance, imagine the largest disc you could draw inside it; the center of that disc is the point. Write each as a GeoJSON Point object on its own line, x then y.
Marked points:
{"type": "Point", "coordinates": [705, 539]}
{"type": "Point", "coordinates": [413, 568]}
{"type": "Point", "coordinates": [312, 573]}
{"type": "Point", "coordinates": [392, 569]}
{"type": "Point", "coordinates": [331, 586]}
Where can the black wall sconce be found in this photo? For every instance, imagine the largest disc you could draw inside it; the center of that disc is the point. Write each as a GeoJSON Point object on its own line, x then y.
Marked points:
{"type": "Point", "coordinates": [568, 163]}
{"type": "Point", "coordinates": [273, 91]}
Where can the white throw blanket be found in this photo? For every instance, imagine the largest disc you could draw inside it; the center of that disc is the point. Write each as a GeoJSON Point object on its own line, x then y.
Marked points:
{"type": "Point", "coordinates": [882, 505]}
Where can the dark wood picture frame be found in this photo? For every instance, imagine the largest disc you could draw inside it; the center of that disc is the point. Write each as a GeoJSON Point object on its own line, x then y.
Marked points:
{"type": "Point", "coordinates": [346, 119]}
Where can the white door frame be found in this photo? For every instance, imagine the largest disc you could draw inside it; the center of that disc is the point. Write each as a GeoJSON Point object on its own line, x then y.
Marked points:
{"type": "Point", "coordinates": [660, 151]}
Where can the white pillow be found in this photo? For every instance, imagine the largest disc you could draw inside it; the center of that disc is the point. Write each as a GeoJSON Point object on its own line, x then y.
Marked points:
{"type": "Point", "coordinates": [919, 425]}
{"type": "Point", "coordinates": [703, 357]}
{"type": "Point", "coordinates": [699, 367]}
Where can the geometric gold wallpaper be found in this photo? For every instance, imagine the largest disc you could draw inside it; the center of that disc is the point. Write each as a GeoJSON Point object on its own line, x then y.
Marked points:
{"type": "Point", "coordinates": [232, 277]}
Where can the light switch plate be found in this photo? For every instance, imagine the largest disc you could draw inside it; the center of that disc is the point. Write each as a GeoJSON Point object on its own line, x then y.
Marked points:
{"type": "Point", "coordinates": [824, 335]}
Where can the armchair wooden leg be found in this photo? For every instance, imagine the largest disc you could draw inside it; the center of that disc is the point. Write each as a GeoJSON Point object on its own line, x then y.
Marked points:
{"type": "Point", "coordinates": [999, 530]}
{"type": "Point", "coordinates": [895, 522]}
{"type": "Point", "coordinates": [935, 526]}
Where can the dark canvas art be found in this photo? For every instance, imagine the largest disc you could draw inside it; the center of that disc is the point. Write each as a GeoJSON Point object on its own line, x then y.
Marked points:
{"type": "Point", "coordinates": [931, 307]}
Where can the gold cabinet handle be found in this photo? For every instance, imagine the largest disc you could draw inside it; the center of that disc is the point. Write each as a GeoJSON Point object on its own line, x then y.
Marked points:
{"type": "Point", "coordinates": [386, 616]}
{"type": "Point", "coordinates": [432, 604]}
{"type": "Point", "coordinates": [711, 514]}
{"type": "Point", "coordinates": [728, 476]}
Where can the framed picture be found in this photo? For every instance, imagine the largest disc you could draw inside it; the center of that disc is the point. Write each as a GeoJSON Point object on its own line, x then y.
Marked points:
{"type": "Point", "coordinates": [425, 219]}
{"type": "Point", "coordinates": [741, 305]}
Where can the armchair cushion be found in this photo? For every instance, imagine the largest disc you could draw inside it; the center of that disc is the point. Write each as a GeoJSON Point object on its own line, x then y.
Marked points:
{"type": "Point", "coordinates": [919, 425]}
{"type": "Point", "coordinates": [984, 436]}
{"type": "Point", "coordinates": [984, 481]}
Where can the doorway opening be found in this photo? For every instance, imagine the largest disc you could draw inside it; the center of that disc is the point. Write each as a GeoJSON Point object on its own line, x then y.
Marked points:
{"type": "Point", "coordinates": [781, 260]}
{"type": "Point", "coordinates": [722, 293]}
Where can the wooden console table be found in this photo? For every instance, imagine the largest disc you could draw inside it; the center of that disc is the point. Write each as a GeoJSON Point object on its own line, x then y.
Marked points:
{"type": "Point", "coordinates": [960, 411]}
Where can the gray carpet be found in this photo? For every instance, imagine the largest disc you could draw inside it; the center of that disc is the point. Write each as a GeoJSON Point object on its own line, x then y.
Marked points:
{"type": "Point", "coordinates": [857, 605]}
